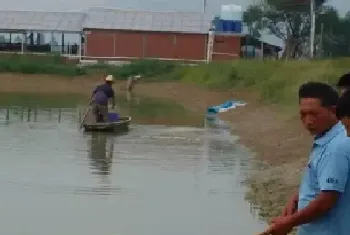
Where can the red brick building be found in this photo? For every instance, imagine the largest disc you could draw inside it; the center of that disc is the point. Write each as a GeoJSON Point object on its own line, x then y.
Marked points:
{"type": "Point", "coordinates": [115, 34]}
{"type": "Point", "coordinates": [118, 44]}
{"type": "Point", "coordinates": [162, 35]}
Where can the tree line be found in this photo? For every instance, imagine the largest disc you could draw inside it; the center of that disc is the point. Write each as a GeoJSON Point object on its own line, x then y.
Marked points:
{"type": "Point", "coordinates": [290, 21]}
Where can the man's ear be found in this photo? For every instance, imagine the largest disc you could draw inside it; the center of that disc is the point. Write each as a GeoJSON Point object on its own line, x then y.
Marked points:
{"type": "Point", "coordinates": [341, 90]}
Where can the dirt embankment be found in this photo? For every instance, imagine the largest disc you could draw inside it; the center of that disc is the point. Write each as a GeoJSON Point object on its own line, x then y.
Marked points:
{"type": "Point", "coordinates": [281, 143]}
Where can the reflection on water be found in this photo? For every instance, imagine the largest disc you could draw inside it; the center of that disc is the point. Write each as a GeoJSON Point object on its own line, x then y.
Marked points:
{"type": "Point", "coordinates": [100, 153]}
{"type": "Point", "coordinates": [29, 114]}
{"type": "Point", "coordinates": [156, 179]}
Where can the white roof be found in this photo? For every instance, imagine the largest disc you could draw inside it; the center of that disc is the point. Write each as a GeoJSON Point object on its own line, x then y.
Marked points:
{"type": "Point", "coordinates": [186, 22]}
{"type": "Point", "coordinates": [190, 22]}
{"type": "Point", "coordinates": [41, 21]}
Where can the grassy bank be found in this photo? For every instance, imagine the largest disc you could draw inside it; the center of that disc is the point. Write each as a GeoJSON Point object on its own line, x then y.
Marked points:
{"type": "Point", "coordinates": [56, 65]}
{"type": "Point", "coordinates": [276, 81]}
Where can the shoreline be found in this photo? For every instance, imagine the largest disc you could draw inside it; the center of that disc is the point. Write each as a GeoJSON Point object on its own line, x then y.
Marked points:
{"type": "Point", "coordinates": [278, 141]}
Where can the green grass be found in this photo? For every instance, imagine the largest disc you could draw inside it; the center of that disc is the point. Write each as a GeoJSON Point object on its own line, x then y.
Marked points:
{"type": "Point", "coordinates": [56, 65]}
{"type": "Point", "coordinates": [32, 64]}
{"type": "Point", "coordinates": [276, 81]}
{"type": "Point", "coordinates": [37, 100]}
{"type": "Point", "coordinates": [153, 70]}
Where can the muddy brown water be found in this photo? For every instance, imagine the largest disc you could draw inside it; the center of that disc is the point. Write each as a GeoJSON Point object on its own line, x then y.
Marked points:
{"type": "Point", "coordinates": [169, 178]}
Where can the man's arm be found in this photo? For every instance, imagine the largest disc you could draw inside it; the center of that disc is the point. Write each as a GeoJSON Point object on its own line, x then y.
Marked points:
{"type": "Point", "coordinates": [113, 102]}
{"type": "Point", "coordinates": [93, 93]}
{"type": "Point", "coordinates": [332, 174]}
{"type": "Point", "coordinates": [316, 208]}
{"type": "Point", "coordinates": [112, 98]}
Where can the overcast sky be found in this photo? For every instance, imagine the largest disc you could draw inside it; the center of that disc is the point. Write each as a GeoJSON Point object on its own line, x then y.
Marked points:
{"type": "Point", "coordinates": [213, 6]}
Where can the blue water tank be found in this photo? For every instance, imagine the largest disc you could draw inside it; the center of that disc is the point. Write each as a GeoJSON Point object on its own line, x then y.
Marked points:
{"type": "Point", "coordinates": [232, 26]}
{"type": "Point", "coordinates": [228, 26]}
{"type": "Point", "coordinates": [238, 26]}
{"type": "Point", "coordinates": [218, 24]}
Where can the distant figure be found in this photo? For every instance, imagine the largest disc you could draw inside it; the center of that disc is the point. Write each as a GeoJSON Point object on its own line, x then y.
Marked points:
{"type": "Point", "coordinates": [343, 83]}
{"type": "Point", "coordinates": [100, 97]}
{"type": "Point", "coordinates": [131, 82]}
{"type": "Point", "coordinates": [343, 110]}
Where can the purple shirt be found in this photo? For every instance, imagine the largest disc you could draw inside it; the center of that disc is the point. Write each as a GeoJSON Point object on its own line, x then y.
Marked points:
{"type": "Point", "coordinates": [102, 93]}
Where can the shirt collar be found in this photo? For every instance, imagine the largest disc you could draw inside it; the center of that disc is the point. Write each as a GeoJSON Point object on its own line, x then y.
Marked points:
{"type": "Point", "coordinates": [328, 135]}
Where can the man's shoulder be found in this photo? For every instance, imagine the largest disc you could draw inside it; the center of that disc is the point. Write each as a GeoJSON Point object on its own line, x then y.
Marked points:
{"type": "Point", "coordinates": [99, 86]}
{"type": "Point", "coordinates": [339, 144]}
{"type": "Point", "coordinates": [341, 140]}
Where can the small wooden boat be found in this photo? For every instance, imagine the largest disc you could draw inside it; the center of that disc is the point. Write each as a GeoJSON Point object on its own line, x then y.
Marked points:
{"type": "Point", "coordinates": [119, 126]}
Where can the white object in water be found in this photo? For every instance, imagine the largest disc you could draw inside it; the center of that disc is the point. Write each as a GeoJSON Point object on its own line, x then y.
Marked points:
{"type": "Point", "coordinates": [231, 12]}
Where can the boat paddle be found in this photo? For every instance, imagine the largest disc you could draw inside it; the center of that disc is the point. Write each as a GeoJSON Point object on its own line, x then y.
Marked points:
{"type": "Point", "coordinates": [86, 113]}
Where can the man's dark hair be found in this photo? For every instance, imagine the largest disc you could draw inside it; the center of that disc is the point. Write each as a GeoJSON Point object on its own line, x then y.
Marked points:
{"type": "Point", "coordinates": [318, 90]}
{"type": "Point", "coordinates": [344, 80]}
{"type": "Point", "coordinates": [343, 106]}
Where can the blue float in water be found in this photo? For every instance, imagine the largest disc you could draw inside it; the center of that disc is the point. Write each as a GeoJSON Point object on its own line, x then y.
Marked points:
{"type": "Point", "coordinates": [231, 104]}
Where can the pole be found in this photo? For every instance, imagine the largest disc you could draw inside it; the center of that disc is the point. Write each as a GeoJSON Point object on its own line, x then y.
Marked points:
{"type": "Point", "coordinates": [204, 5]}
{"type": "Point", "coordinates": [312, 28]}
{"type": "Point", "coordinates": [321, 40]}
{"type": "Point", "coordinates": [24, 35]}
{"type": "Point", "coordinates": [79, 47]}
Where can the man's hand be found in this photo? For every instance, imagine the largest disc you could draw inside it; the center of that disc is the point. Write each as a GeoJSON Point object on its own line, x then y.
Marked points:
{"type": "Point", "coordinates": [291, 206]}
{"type": "Point", "coordinates": [280, 226]}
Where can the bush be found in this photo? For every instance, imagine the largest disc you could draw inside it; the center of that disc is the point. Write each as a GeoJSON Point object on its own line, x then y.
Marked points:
{"type": "Point", "coordinates": [147, 68]}
{"type": "Point", "coordinates": [32, 64]}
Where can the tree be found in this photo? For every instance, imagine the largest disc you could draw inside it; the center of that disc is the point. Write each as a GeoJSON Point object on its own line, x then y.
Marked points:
{"type": "Point", "coordinates": [333, 33]}
{"type": "Point", "coordinates": [286, 19]}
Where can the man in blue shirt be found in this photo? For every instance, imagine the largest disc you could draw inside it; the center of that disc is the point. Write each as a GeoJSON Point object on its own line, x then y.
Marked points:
{"type": "Point", "coordinates": [322, 204]}
{"type": "Point", "coordinates": [100, 97]}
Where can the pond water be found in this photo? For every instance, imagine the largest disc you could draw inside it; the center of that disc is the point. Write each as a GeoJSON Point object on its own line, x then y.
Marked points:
{"type": "Point", "coordinates": [176, 177]}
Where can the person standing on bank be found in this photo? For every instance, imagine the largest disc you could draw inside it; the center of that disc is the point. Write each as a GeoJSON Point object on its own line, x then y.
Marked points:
{"type": "Point", "coordinates": [322, 204]}
{"type": "Point", "coordinates": [131, 82]}
{"type": "Point", "coordinates": [100, 97]}
{"type": "Point", "coordinates": [343, 83]}
{"type": "Point", "coordinates": [343, 110]}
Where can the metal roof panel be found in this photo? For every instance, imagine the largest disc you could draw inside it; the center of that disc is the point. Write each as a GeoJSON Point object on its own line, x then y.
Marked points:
{"type": "Point", "coordinates": [41, 20]}
{"type": "Point", "coordinates": [147, 20]}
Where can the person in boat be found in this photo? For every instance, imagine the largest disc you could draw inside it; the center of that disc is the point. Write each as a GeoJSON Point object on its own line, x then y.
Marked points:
{"type": "Point", "coordinates": [101, 95]}
{"type": "Point", "coordinates": [343, 83]}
